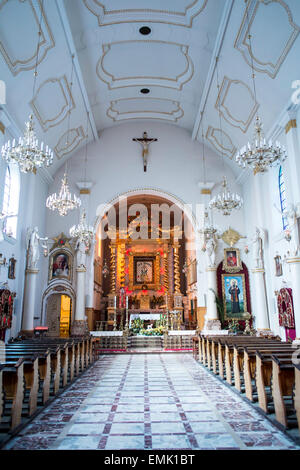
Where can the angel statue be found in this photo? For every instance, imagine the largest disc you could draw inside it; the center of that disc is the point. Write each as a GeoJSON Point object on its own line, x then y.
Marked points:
{"type": "Point", "coordinates": [33, 241]}
{"type": "Point", "coordinates": [293, 214]}
{"type": "Point", "coordinates": [81, 249]}
{"type": "Point", "coordinates": [210, 251]}
{"type": "Point", "coordinates": [257, 242]}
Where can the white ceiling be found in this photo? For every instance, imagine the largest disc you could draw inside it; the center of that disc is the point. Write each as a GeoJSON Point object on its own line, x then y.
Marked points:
{"type": "Point", "coordinates": [113, 61]}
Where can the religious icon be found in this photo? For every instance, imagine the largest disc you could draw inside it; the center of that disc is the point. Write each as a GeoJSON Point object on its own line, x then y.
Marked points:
{"type": "Point", "coordinates": [278, 265]}
{"type": "Point", "coordinates": [143, 270]}
{"type": "Point", "coordinates": [232, 262]}
{"type": "Point", "coordinates": [60, 265]}
{"type": "Point", "coordinates": [234, 295]}
{"type": "Point", "coordinates": [12, 267]}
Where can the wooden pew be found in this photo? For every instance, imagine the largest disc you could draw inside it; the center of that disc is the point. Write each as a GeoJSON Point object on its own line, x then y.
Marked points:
{"type": "Point", "coordinates": [13, 389]}
{"type": "Point", "coordinates": [283, 381]}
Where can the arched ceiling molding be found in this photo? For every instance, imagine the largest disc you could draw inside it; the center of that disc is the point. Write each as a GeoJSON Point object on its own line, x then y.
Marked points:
{"type": "Point", "coordinates": [8, 44]}
{"type": "Point", "coordinates": [184, 17]}
{"type": "Point", "coordinates": [224, 145]}
{"type": "Point", "coordinates": [102, 209]}
{"type": "Point", "coordinates": [75, 137]}
{"type": "Point", "coordinates": [176, 54]}
{"type": "Point", "coordinates": [51, 113]}
{"type": "Point", "coordinates": [236, 93]}
{"type": "Point", "coordinates": [258, 11]}
{"type": "Point", "coordinates": [161, 109]}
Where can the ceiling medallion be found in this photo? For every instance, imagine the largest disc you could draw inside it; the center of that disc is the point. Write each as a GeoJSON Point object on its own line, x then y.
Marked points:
{"type": "Point", "coordinates": [226, 201]}
{"type": "Point", "coordinates": [64, 201]}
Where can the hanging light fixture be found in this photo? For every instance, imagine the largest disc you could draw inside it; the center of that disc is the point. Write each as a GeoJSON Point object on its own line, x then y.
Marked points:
{"type": "Point", "coordinates": [259, 155]}
{"type": "Point", "coordinates": [64, 201]}
{"type": "Point", "coordinates": [27, 152]}
{"type": "Point", "coordinates": [226, 201]}
{"type": "Point", "coordinates": [82, 231]}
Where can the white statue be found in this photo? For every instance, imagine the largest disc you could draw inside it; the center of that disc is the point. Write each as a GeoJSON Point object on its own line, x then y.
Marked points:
{"type": "Point", "coordinates": [81, 249]}
{"type": "Point", "coordinates": [257, 242]}
{"type": "Point", "coordinates": [293, 214]}
{"type": "Point", "coordinates": [33, 241]}
{"type": "Point", "coordinates": [210, 251]}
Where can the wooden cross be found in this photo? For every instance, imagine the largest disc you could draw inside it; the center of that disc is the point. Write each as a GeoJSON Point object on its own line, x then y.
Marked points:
{"type": "Point", "coordinates": [144, 141]}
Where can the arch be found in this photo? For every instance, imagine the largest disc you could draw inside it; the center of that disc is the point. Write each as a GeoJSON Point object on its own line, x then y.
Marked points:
{"type": "Point", "coordinates": [59, 287]}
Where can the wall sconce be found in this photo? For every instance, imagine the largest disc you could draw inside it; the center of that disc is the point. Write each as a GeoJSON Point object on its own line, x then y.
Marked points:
{"type": "Point", "coordinates": [2, 260]}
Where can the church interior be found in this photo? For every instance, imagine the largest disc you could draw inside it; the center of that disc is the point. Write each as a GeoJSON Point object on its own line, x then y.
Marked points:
{"type": "Point", "coordinates": [149, 225]}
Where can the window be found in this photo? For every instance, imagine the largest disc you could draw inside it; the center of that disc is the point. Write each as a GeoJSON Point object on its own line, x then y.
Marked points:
{"type": "Point", "coordinates": [283, 202]}
{"type": "Point", "coordinates": [11, 200]}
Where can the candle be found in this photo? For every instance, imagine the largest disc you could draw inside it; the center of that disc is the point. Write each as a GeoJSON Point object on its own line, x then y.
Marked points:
{"type": "Point", "coordinates": [127, 301]}
{"type": "Point", "coordinates": [115, 304]}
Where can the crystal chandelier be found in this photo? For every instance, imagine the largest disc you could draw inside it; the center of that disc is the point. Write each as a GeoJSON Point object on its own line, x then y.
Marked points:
{"type": "Point", "coordinates": [63, 202]}
{"type": "Point", "coordinates": [82, 231]}
{"type": "Point", "coordinates": [208, 230]}
{"type": "Point", "coordinates": [27, 152]}
{"type": "Point", "coordinates": [226, 201]}
{"type": "Point", "coordinates": [261, 154]}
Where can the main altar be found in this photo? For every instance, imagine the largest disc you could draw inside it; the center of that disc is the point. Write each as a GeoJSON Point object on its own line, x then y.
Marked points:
{"type": "Point", "coordinates": [145, 280]}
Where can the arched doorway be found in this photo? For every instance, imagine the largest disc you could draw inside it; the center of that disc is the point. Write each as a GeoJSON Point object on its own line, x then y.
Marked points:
{"type": "Point", "coordinates": [146, 240]}
{"type": "Point", "coordinates": [58, 314]}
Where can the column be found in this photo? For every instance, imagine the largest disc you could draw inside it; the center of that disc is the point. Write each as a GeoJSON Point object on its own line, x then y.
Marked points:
{"type": "Point", "coordinates": [112, 299]}
{"type": "Point", "coordinates": [29, 301]}
{"type": "Point", "coordinates": [89, 304]}
{"type": "Point", "coordinates": [79, 327]}
{"type": "Point", "coordinates": [212, 321]}
{"type": "Point", "coordinates": [177, 290]}
{"type": "Point", "coordinates": [295, 276]}
{"type": "Point", "coordinates": [292, 161]}
{"type": "Point", "coordinates": [260, 302]}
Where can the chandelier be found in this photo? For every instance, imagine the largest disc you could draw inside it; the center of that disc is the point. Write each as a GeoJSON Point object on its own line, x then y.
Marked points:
{"type": "Point", "coordinates": [208, 230]}
{"type": "Point", "coordinates": [261, 154]}
{"type": "Point", "coordinates": [82, 231]}
{"type": "Point", "coordinates": [226, 201]}
{"type": "Point", "coordinates": [27, 152]}
{"type": "Point", "coordinates": [63, 202]}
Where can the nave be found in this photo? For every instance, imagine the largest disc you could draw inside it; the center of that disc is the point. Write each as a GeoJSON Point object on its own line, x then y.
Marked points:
{"type": "Point", "coordinates": [149, 401]}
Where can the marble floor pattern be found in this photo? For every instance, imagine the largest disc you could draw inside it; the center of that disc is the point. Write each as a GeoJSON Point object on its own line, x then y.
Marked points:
{"type": "Point", "coordinates": [149, 401]}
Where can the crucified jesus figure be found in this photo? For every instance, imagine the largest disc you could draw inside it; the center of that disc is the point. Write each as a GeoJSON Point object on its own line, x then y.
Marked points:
{"type": "Point", "coordinates": [144, 141]}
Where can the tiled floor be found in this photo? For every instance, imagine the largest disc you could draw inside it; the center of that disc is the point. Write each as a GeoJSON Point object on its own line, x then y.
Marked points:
{"type": "Point", "coordinates": [154, 401]}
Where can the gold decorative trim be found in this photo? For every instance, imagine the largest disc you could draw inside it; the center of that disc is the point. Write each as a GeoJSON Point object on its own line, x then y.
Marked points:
{"type": "Point", "coordinates": [231, 237]}
{"type": "Point", "coordinates": [119, 82]}
{"type": "Point", "coordinates": [292, 124]}
{"type": "Point", "coordinates": [85, 191]}
{"type": "Point", "coordinates": [228, 116]}
{"type": "Point", "coordinates": [230, 268]}
{"type": "Point", "coordinates": [64, 149]}
{"type": "Point", "coordinates": [205, 191]}
{"type": "Point", "coordinates": [2, 127]}
{"type": "Point", "coordinates": [64, 89]}
{"type": "Point", "coordinates": [240, 315]}
{"type": "Point", "coordinates": [212, 138]}
{"type": "Point", "coordinates": [98, 9]}
{"type": "Point", "coordinates": [243, 46]}
{"type": "Point", "coordinates": [173, 116]}
{"type": "Point", "coordinates": [47, 41]}
{"type": "Point", "coordinates": [156, 284]}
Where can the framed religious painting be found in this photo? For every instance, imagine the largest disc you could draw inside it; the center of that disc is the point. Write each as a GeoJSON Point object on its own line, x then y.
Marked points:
{"type": "Point", "coordinates": [60, 265]}
{"type": "Point", "coordinates": [232, 260]}
{"type": "Point", "coordinates": [278, 266]}
{"type": "Point", "coordinates": [234, 296]}
{"type": "Point", "coordinates": [143, 270]}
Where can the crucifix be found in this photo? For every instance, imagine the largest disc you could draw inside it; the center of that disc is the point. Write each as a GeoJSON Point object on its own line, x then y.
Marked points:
{"type": "Point", "coordinates": [144, 141]}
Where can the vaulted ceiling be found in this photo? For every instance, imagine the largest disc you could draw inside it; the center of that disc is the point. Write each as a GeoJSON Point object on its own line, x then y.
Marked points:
{"type": "Point", "coordinates": [139, 59]}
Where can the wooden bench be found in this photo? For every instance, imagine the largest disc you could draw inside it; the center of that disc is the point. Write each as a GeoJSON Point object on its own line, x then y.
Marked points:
{"type": "Point", "coordinates": [283, 382]}
{"type": "Point", "coordinates": [13, 393]}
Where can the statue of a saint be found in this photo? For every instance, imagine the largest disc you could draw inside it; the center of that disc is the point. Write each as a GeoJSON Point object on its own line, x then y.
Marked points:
{"type": "Point", "coordinates": [210, 251]}
{"type": "Point", "coordinates": [81, 249]}
{"type": "Point", "coordinates": [33, 241]}
{"type": "Point", "coordinates": [257, 242]}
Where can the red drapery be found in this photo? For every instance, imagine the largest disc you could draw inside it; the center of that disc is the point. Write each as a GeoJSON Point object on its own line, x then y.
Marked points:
{"type": "Point", "coordinates": [286, 308]}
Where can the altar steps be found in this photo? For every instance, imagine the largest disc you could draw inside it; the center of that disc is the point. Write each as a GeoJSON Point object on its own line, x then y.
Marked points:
{"type": "Point", "coordinates": [145, 342]}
